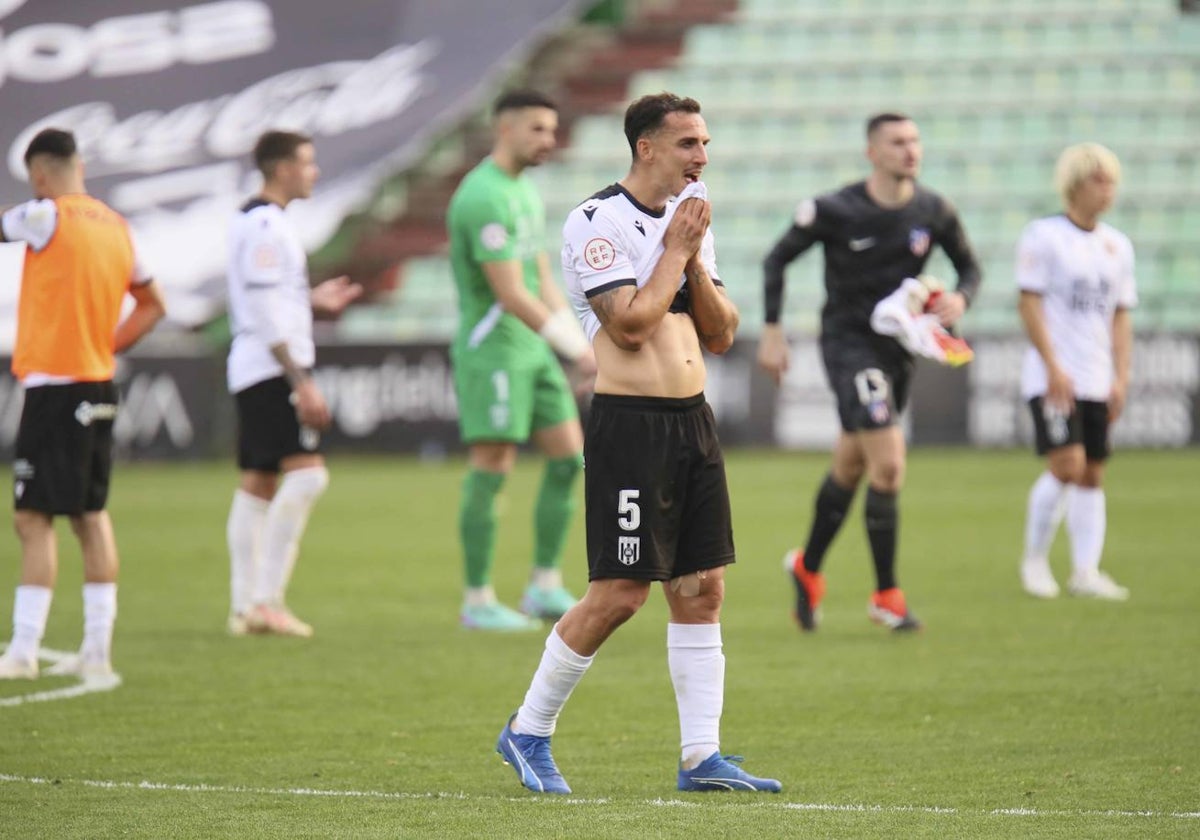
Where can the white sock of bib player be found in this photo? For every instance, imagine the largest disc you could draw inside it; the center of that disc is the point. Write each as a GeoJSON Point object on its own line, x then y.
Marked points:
{"type": "Point", "coordinates": [244, 530]}
{"type": "Point", "coordinates": [287, 517]}
{"type": "Point", "coordinates": [31, 607]}
{"type": "Point", "coordinates": [698, 673]}
{"type": "Point", "coordinates": [99, 616]}
{"type": "Point", "coordinates": [558, 673]}
{"type": "Point", "coordinates": [1047, 505]}
{"type": "Point", "coordinates": [1086, 524]}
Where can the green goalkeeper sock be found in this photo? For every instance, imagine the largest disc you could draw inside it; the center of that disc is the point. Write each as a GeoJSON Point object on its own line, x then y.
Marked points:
{"type": "Point", "coordinates": [477, 524]}
{"type": "Point", "coordinates": [555, 504]}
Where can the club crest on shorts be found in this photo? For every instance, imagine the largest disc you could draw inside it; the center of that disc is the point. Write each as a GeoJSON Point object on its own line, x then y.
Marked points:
{"type": "Point", "coordinates": [918, 241]}
{"type": "Point", "coordinates": [310, 438]}
{"type": "Point", "coordinates": [879, 412]}
{"type": "Point", "coordinates": [629, 550]}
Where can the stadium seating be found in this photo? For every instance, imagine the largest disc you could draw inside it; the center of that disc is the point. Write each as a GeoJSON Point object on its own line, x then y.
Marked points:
{"type": "Point", "coordinates": [998, 87]}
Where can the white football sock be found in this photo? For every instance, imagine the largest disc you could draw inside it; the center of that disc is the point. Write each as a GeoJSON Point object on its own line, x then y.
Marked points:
{"type": "Point", "coordinates": [287, 517]}
{"type": "Point", "coordinates": [99, 616]}
{"type": "Point", "coordinates": [559, 672]}
{"type": "Point", "coordinates": [247, 516]}
{"type": "Point", "coordinates": [698, 673]}
{"type": "Point", "coordinates": [546, 578]}
{"type": "Point", "coordinates": [1044, 513]}
{"type": "Point", "coordinates": [479, 596]}
{"type": "Point", "coordinates": [31, 608]}
{"type": "Point", "coordinates": [1086, 524]}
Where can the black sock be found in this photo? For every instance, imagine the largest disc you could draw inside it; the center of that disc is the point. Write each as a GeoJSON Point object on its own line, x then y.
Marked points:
{"type": "Point", "coordinates": [833, 501]}
{"type": "Point", "coordinates": [883, 522]}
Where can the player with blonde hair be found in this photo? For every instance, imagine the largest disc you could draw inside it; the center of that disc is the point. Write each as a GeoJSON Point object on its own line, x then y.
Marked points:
{"type": "Point", "coordinates": [1077, 285]}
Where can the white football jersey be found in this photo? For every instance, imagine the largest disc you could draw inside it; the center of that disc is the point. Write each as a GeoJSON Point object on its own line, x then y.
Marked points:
{"type": "Point", "coordinates": [268, 295]}
{"type": "Point", "coordinates": [611, 240]}
{"type": "Point", "coordinates": [1083, 276]}
{"type": "Point", "coordinates": [33, 223]}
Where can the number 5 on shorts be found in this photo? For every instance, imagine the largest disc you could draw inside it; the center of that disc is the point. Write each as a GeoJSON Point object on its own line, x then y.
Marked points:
{"type": "Point", "coordinates": [629, 514]}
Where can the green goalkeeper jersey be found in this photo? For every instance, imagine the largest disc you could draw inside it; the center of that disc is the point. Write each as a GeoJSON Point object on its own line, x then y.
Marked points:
{"type": "Point", "coordinates": [494, 217]}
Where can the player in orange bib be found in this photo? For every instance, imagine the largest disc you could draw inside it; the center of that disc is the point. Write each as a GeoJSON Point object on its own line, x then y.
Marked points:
{"type": "Point", "coordinates": [80, 262]}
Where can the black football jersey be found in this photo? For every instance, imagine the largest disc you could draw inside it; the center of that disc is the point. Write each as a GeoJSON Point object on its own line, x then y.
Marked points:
{"type": "Point", "coordinates": [869, 251]}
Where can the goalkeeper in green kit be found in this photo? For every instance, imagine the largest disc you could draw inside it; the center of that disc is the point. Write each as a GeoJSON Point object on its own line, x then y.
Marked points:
{"type": "Point", "coordinates": [514, 324]}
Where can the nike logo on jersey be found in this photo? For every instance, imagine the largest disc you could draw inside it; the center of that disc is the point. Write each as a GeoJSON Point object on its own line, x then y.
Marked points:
{"type": "Point", "coordinates": [638, 224]}
{"type": "Point", "coordinates": [589, 212]}
{"type": "Point", "coordinates": [861, 244]}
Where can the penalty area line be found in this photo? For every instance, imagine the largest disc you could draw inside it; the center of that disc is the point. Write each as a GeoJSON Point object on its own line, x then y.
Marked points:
{"type": "Point", "coordinates": [326, 793]}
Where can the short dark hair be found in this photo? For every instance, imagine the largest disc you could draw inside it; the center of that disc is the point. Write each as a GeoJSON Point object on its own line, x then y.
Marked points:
{"type": "Point", "coordinates": [645, 115]}
{"type": "Point", "coordinates": [876, 121]}
{"type": "Point", "coordinates": [275, 146]}
{"type": "Point", "coordinates": [51, 141]}
{"type": "Point", "coordinates": [514, 100]}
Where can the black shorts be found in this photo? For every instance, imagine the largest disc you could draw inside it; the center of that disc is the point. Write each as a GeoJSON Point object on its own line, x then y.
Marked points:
{"type": "Point", "coordinates": [63, 458]}
{"type": "Point", "coordinates": [654, 481]}
{"type": "Point", "coordinates": [268, 430]}
{"type": "Point", "coordinates": [869, 379]}
{"type": "Point", "coordinates": [1087, 425]}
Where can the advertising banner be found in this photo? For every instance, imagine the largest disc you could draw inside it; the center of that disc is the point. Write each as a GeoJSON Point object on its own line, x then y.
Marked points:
{"type": "Point", "coordinates": [168, 98]}
{"type": "Point", "coordinates": [400, 398]}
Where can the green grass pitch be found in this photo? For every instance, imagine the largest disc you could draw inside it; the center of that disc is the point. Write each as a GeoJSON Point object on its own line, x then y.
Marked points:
{"type": "Point", "coordinates": [1007, 717]}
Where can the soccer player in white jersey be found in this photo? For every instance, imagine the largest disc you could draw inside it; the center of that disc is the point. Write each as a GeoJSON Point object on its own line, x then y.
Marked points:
{"type": "Point", "coordinates": [641, 272]}
{"type": "Point", "coordinates": [280, 410]}
{"type": "Point", "coordinates": [1077, 286]}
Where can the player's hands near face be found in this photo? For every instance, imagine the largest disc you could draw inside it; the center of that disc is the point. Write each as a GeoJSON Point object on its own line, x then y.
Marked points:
{"type": "Point", "coordinates": [311, 409]}
{"type": "Point", "coordinates": [948, 307]}
{"type": "Point", "coordinates": [687, 227]}
{"type": "Point", "coordinates": [1116, 401]}
{"type": "Point", "coordinates": [1060, 390]}
{"type": "Point", "coordinates": [332, 296]}
{"type": "Point", "coordinates": [773, 352]}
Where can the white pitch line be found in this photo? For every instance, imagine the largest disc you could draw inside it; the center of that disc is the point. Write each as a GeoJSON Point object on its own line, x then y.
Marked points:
{"type": "Point", "coordinates": [87, 686]}
{"type": "Point", "coordinates": [571, 800]}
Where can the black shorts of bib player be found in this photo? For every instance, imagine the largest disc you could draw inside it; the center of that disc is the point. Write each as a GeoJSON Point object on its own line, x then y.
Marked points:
{"type": "Point", "coordinates": [63, 455]}
{"type": "Point", "coordinates": [875, 233]}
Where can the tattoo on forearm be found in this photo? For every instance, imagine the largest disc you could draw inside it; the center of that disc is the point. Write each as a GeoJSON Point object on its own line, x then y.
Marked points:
{"type": "Point", "coordinates": [604, 305]}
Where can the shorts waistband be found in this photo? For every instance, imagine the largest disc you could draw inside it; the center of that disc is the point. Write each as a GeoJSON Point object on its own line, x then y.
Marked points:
{"type": "Point", "coordinates": [628, 402]}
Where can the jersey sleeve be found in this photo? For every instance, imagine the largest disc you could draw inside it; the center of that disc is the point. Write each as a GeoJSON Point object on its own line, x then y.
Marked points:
{"type": "Point", "coordinates": [33, 223]}
{"type": "Point", "coordinates": [141, 271]}
{"type": "Point", "coordinates": [952, 237]}
{"type": "Point", "coordinates": [489, 226]}
{"type": "Point", "coordinates": [804, 232]}
{"type": "Point", "coordinates": [262, 260]}
{"type": "Point", "coordinates": [595, 251]}
{"type": "Point", "coordinates": [708, 256]}
{"type": "Point", "coordinates": [1127, 296]}
{"type": "Point", "coordinates": [1034, 261]}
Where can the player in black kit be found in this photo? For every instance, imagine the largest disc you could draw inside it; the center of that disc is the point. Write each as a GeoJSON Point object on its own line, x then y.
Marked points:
{"type": "Point", "coordinates": [876, 233]}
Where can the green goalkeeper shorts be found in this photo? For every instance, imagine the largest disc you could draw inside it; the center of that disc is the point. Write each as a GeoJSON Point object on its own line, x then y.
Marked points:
{"type": "Point", "coordinates": [503, 403]}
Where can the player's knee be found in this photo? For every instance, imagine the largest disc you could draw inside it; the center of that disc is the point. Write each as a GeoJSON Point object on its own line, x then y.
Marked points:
{"type": "Point", "coordinates": [30, 524]}
{"type": "Point", "coordinates": [888, 476]}
{"type": "Point", "coordinates": [306, 484]}
{"type": "Point", "coordinates": [1068, 466]}
{"type": "Point", "coordinates": [564, 470]}
{"type": "Point", "coordinates": [621, 604]}
{"type": "Point", "coordinates": [1092, 476]}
